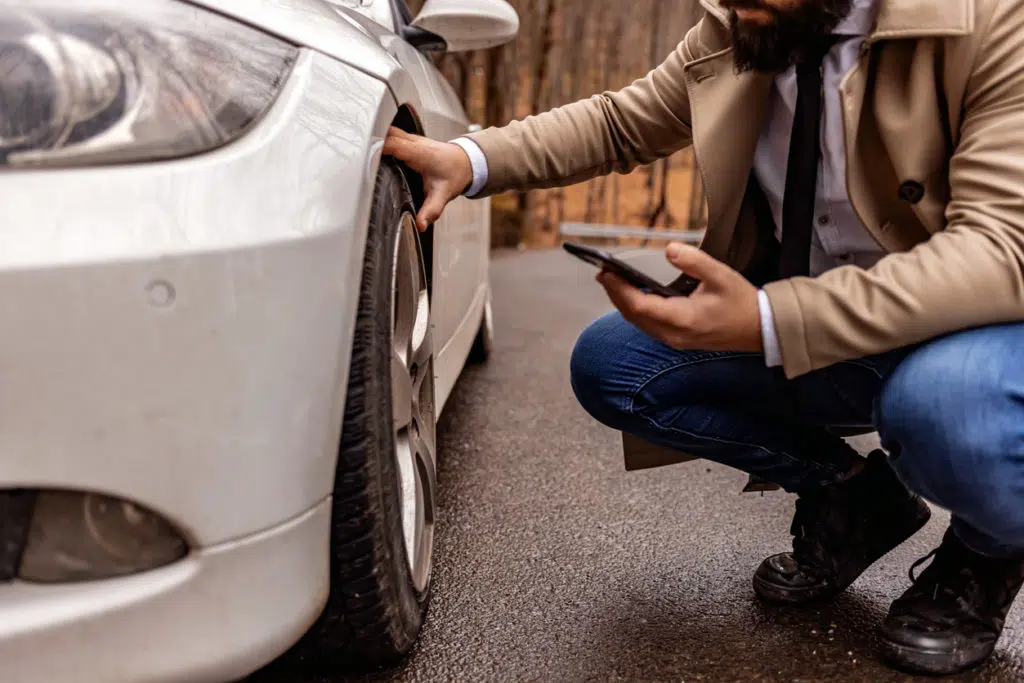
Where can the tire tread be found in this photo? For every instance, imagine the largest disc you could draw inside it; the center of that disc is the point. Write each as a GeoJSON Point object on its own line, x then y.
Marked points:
{"type": "Point", "coordinates": [368, 619]}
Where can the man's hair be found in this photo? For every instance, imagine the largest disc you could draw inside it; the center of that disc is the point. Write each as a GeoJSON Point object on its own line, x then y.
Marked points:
{"type": "Point", "coordinates": [792, 33]}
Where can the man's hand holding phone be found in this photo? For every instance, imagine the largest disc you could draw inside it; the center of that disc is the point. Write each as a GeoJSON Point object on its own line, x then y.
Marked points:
{"type": "Point", "coordinates": [720, 315]}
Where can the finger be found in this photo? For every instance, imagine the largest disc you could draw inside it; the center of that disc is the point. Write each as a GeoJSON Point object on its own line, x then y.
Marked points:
{"type": "Point", "coordinates": [698, 264]}
{"type": "Point", "coordinates": [399, 133]}
{"type": "Point", "coordinates": [664, 310]}
{"type": "Point", "coordinates": [627, 298]}
{"type": "Point", "coordinates": [397, 147]}
{"type": "Point", "coordinates": [634, 303]}
{"type": "Point", "coordinates": [634, 311]}
{"type": "Point", "coordinates": [405, 150]}
{"type": "Point", "coordinates": [431, 210]}
{"type": "Point", "coordinates": [393, 145]}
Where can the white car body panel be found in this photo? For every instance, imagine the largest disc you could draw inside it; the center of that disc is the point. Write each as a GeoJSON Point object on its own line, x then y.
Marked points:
{"type": "Point", "coordinates": [178, 334]}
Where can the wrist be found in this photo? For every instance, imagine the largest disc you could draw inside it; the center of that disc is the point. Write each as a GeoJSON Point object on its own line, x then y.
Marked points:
{"type": "Point", "coordinates": [769, 335]}
{"type": "Point", "coordinates": [471, 174]}
{"type": "Point", "coordinates": [464, 175]}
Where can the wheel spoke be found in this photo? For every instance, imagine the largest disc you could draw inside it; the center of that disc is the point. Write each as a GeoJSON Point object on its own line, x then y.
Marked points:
{"type": "Point", "coordinates": [427, 470]}
{"type": "Point", "coordinates": [404, 311]}
{"type": "Point", "coordinates": [420, 349]}
{"type": "Point", "coordinates": [408, 479]}
{"type": "Point", "coordinates": [402, 393]}
{"type": "Point", "coordinates": [426, 488]}
{"type": "Point", "coordinates": [423, 408]}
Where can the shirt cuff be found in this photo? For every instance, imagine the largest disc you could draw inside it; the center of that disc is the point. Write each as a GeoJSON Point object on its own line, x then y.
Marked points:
{"type": "Point", "coordinates": [477, 161]}
{"type": "Point", "coordinates": [769, 336]}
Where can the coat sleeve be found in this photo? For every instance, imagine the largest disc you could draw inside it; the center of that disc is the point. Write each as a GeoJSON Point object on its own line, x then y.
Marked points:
{"type": "Point", "coordinates": [969, 275]}
{"type": "Point", "coordinates": [613, 131]}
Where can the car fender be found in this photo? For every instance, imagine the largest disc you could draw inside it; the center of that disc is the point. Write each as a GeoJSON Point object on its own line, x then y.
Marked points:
{"type": "Point", "coordinates": [340, 33]}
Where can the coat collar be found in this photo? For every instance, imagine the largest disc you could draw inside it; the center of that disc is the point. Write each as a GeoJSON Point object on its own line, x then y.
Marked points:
{"type": "Point", "coordinates": [903, 18]}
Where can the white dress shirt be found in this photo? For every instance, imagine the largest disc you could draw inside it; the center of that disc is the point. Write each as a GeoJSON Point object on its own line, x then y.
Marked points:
{"type": "Point", "coordinates": [839, 237]}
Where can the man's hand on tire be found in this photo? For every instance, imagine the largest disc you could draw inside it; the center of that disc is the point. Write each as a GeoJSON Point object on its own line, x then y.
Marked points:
{"type": "Point", "coordinates": [445, 169]}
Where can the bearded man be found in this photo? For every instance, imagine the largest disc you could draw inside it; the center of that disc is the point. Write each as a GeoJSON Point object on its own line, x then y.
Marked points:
{"type": "Point", "coordinates": [864, 168]}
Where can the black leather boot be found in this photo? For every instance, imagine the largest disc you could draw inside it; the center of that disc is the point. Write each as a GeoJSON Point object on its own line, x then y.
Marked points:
{"type": "Point", "coordinates": [951, 618]}
{"type": "Point", "coordinates": [838, 532]}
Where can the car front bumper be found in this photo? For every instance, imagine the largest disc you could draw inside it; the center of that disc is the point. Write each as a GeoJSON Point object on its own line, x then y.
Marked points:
{"type": "Point", "coordinates": [216, 616]}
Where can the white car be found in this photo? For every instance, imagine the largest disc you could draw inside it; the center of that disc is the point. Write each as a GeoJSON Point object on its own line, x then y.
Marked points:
{"type": "Point", "coordinates": [223, 344]}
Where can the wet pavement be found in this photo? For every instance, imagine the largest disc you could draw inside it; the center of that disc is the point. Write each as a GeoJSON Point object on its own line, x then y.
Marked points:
{"type": "Point", "coordinates": [554, 564]}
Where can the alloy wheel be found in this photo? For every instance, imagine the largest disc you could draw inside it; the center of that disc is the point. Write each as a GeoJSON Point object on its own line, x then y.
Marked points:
{"type": "Point", "coordinates": [412, 400]}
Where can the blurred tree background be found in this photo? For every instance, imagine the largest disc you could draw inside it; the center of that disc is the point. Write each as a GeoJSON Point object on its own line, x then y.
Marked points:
{"type": "Point", "coordinates": [568, 50]}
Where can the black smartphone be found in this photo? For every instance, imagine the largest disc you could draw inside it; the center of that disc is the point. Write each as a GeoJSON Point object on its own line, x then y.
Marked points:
{"type": "Point", "coordinates": [684, 286]}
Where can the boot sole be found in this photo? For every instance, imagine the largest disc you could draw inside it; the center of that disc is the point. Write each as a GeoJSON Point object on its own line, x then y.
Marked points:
{"type": "Point", "coordinates": [931, 662]}
{"type": "Point", "coordinates": [783, 595]}
{"type": "Point", "coordinates": [780, 595]}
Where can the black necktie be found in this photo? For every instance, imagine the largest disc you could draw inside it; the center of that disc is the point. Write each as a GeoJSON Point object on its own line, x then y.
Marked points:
{"type": "Point", "coordinates": [802, 170]}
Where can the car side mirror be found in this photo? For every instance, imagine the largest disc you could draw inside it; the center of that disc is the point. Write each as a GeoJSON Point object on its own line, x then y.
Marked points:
{"type": "Point", "coordinates": [466, 25]}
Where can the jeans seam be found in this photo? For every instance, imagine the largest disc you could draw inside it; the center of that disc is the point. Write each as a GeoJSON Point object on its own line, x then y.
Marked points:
{"type": "Point", "coordinates": [819, 466]}
{"type": "Point", "coordinates": [676, 365]}
{"type": "Point", "coordinates": [864, 366]}
{"type": "Point", "coordinates": [847, 399]}
{"type": "Point", "coordinates": [881, 376]}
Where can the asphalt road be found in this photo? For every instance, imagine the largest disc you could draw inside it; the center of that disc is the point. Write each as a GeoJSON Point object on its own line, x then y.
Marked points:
{"type": "Point", "coordinates": [554, 564]}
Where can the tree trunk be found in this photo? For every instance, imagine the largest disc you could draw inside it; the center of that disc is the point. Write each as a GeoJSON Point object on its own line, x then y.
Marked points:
{"type": "Point", "coordinates": [574, 19]}
{"type": "Point", "coordinates": [696, 218]}
{"type": "Point", "coordinates": [661, 210]}
{"type": "Point", "coordinates": [609, 48]}
{"type": "Point", "coordinates": [540, 75]}
{"type": "Point", "coordinates": [652, 61]}
{"type": "Point", "coordinates": [456, 68]}
{"type": "Point", "coordinates": [615, 199]}
{"type": "Point", "coordinates": [495, 106]}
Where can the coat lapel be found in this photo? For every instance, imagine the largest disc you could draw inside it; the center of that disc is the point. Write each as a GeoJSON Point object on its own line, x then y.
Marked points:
{"type": "Point", "coordinates": [867, 159]}
{"type": "Point", "coordinates": [923, 19]}
{"type": "Point", "coordinates": [727, 112]}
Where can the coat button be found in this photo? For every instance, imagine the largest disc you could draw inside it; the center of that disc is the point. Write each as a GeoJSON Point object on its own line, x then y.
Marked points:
{"type": "Point", "coordinates": [912, 192]}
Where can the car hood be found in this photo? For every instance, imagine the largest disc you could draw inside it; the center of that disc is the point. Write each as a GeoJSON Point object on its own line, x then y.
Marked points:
{"type": "Point", "coordinates": [315, 24]}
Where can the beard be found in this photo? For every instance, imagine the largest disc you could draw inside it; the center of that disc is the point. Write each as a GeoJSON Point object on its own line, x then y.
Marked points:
{"type": "Point", "coordinates": [780, 44]}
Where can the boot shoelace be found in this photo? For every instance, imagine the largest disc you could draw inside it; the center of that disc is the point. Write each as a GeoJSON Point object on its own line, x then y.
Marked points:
{"type": "Point", "coordinates": [958, 577]}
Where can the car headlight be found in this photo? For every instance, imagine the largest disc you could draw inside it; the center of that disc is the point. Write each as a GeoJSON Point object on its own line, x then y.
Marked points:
{"type": "Point", "coordinates": [115, 81]}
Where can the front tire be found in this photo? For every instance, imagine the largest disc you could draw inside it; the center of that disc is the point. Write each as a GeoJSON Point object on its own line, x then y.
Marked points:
{"type": "Point", "coordinates": [385, 485]}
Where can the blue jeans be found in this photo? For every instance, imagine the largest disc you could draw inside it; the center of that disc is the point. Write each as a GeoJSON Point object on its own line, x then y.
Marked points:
{"type": "Point", "coordinates": [950, 414]}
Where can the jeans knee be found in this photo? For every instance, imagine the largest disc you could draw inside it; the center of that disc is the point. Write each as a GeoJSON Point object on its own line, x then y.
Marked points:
{"type": "Point", "coordinates": [908, 415]}
{"type": "Point", "coordinates": [952, 418]}
{"type": "Point", "coordinates": [594, 370]}
{"type": "Point", "coordinates": [940, 400]}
